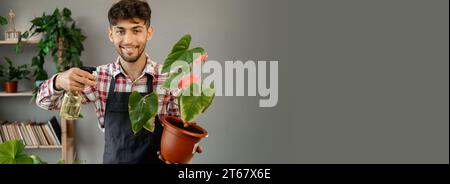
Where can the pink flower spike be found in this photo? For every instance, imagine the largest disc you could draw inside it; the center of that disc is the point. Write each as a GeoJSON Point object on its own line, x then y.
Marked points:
{"type": "Point", "coordinates": [187, 80]}
{"type": "Point", "coordinates": [201, 58]}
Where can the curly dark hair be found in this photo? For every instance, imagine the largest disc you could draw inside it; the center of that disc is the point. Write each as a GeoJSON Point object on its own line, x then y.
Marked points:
{"type": "Point", "coordinates": [129, 9]}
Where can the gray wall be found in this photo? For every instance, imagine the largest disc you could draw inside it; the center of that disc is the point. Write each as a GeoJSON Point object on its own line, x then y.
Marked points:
{"type": "Point", "coordinates": [359, 81]}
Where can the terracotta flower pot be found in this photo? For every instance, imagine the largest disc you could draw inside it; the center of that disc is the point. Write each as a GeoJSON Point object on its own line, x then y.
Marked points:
{"type": "Point", "coordinates": [11, 87]}
{"type": "Point", "coordinates": [178, 144]}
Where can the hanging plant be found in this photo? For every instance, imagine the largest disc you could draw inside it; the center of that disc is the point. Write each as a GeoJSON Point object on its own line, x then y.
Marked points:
{"type": "Point", "coordinates": [60, 37]}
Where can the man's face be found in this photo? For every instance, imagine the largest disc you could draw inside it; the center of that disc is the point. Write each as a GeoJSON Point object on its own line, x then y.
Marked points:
{"type": "Point", "coordinates": [130, 37]}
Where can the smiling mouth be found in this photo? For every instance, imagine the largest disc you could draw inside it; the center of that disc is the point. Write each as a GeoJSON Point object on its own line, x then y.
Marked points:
{"type": "Point", "coordinates": [129, 49]}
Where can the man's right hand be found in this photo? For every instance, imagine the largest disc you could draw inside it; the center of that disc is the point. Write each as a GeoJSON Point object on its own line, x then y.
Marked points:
{"type": "Point", "coordinates": [74, 79]}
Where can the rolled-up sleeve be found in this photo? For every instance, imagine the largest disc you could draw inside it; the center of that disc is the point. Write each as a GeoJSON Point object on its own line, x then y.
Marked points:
{"type": "Point", "coordinates": [51, 99]}
{"type": "Point", "coordinates": [48, 97]}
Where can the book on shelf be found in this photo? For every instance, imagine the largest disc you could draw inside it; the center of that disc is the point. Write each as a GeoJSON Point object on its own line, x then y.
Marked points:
{"type": "Point", "coordinates": [53, 133]}
{"type": "Point", "coordinates": [33, 136]}
{"type": "Point", "coordinates": [12, 132]}
{"type": "Point", "coordinates": [47, 134]}
{"type": "Point", "coordinates": [39, 132]}
{"type": "Point", "coordinates": [6, 128]}
{"type": "Point", "coordinates": [29, 135]}
{"type": "Point", "coordinates": [56, 128]}
{"type": "Point", "coordinates": [17, 130]}
{"type": "Point", "coordinates": [23, 134]}
{"type": "Point", "coordinates": [4, 131]}
{"type": "Point", "coordinates": [32, 133]}
{"type": "Point", "coordinates": [2, 139]}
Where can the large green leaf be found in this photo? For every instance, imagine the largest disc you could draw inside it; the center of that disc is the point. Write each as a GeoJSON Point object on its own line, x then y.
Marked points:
{"type": "Point", "coordinates": [189, 54]}
{"type": "Point", "coordinates": [173, 78]}
{"type": "Point", "coordinates": [182, 44]}
{"type": "Point", "coordinates": [171, 58]}
{"type": "Point", "coordinates": [191, 105]}
{"type": "Point", "coordinates": [177, 51]}
{"type": "Point", "coordinates": [170, 64]}
{"type": "Point", "coordinates": [150, 124]}
{"type": "Point", "coordinates": [11, 153]}
{"type": "Point", "coordinates": [142, 110]}
{"type": "Point", "coordinates": [212, 91]}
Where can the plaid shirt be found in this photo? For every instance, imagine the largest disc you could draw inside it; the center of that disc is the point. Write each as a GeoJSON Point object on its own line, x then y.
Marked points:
{"type": "Point", "coordinates": [50, 99]}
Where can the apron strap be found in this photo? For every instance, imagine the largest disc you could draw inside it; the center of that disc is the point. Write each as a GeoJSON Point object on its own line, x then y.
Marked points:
{"type": "Point", "coordinates": [149, 83]}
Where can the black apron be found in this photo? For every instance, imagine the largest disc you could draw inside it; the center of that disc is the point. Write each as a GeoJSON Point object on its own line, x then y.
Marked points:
{"type": "Point", "coordinates": [122, 146]}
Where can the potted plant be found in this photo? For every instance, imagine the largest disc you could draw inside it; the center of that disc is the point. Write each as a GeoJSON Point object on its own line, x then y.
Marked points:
{"type": "Point", "coordinates": [2, 76]}
{"type": "Point", "coordinates": [3, 21]}
{"type": "Point", "coordinates": [180, 136]}
{"type": "Point", "coordinates": [60, 37]}
{"type": "Point", "coordinates": [12, 152]}
{"type": "Point", "coordinates": [13, 75]}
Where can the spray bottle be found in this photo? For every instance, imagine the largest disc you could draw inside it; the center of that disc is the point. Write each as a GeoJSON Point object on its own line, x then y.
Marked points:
{"type": "Point", "coordinates": [71, 104]}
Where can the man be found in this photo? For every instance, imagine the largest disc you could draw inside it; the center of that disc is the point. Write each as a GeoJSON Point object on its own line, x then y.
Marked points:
{"type": "Point", "coordinates": [109, 90]}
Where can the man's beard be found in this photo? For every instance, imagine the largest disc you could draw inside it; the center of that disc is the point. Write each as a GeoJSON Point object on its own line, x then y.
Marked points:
{"type": "Point", "coordinates": [131, 59]}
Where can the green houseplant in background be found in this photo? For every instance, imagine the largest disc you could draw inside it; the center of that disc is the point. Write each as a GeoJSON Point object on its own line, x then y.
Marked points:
{"type": "Point", "coordinates": [3, 21]}
{"type": "Point", "coordinates": [12, 152]}
{"type": "Point", "coordinates": [13, 74]}
{"type": "Point", "coordinates": [60, 37]}
{"type": "Point", "coordinates": [2, 77]}
{"type": "Point", "coordinates": [182, 135]}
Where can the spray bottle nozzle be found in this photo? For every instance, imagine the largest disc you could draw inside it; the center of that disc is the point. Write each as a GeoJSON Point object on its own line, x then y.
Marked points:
{"type": "Point", "coordinates": [88, 69]}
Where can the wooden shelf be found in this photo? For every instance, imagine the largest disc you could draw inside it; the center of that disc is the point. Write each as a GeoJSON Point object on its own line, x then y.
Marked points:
{"type": "Point", "coordinates": [13, 42]}
{"type": "Point", "coordinates": [44, 146]}
{"type": "Point", "coordinates": [67, 127]}
{"type": "Point", "coordinates": [19, 93]}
